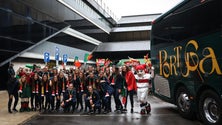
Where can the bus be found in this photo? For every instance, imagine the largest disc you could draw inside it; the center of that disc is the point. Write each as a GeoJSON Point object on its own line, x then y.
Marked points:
{"type": "Point", "coordinates": [186, 52]}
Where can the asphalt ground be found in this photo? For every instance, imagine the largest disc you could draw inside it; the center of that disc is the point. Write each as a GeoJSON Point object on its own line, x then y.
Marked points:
{"type": "Point", "coordinates": [162, 113]}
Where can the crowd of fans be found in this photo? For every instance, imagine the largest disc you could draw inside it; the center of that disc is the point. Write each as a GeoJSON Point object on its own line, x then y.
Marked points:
{"type": "Point", "coordinates": [88, 90]}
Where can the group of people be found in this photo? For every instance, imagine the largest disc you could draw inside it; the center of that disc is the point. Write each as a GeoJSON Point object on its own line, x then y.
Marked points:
{"type": "Point", "coordinates": [78, 89]}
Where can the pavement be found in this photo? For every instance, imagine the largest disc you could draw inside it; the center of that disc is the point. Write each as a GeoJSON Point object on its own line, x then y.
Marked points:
{"type": "Point", "coordinates": [162, 113]}
{"type": "Point", "coordinates": [15, 118]}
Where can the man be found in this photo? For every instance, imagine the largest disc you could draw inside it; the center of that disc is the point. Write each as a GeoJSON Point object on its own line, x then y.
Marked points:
{"type": "Point", "coordinates": [69, 99]}
{"type": "Point", "coordinates": [91, 80]}
{"type": "Point", "coordinates": [12, 89]}
{"type": "Point", "coordinates": [105, 92]}
{"type": "Point", "coordinates": [93, 100]}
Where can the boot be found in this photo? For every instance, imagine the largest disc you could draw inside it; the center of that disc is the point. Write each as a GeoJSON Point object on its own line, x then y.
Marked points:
{"type": "Point", "coordinates": [9, 110]}
{"type": "Point", "coordinates": [22, 107]}
{"type": "Point", "coordinates": [9, 106]}
{"type": "Point", "coordinates": [27, 107]}
{"type": "Point", "coordinates": [57, 105]}
{"type": "Point", "coordinates": [131, 111]}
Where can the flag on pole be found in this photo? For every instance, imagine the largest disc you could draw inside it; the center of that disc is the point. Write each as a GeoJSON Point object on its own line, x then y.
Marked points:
{"type": "Point", "coordinates": [63, 66]}
{"type": "Point", "coordinates": [87, 57]}
{"type": "Point", "coordinates": [76, 62]}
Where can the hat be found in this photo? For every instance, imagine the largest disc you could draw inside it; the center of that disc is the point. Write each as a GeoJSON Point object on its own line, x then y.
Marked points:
{"type": "Point", "coordinates": [140, 67]}
{"type": "Point", "coordinates": [22, 75]}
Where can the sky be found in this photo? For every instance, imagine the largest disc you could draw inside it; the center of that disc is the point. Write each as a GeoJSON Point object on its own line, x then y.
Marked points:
{"type": "Point", "coordinates": [138, 7]}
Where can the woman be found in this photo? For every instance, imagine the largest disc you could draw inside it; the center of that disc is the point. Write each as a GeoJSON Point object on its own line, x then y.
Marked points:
{"type": "Point", "coordinates": [62, 85]}
{"type": "Point", "coordinates": [117, 82]}
{"type": "Point", "coordinates": [54, 89]}
{"type": "Point", "coordinates": [131, 85]}
{"type": "Point", "coordinates": [35, 85]}
{"type": "Point", "coordinates": [45, 92]}
{"type": "Point", "coordinates": [25, 93]}
{"type": "Point", "coordinates": [81, 89]}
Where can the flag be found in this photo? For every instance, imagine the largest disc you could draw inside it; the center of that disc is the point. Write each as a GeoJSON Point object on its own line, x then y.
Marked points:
{"type": "Point", "coordinates": [100, 62]}
{"type": "Point", "coordinates": [63, 66]}
{"type": "Point", "coordinates": [76, 62]}
{"type": "Point", "coordinates": [87, 57]}
{"type": "Point", "coordinates": [107, 62]}
{"type": "Point", "coordinates": [147, 60]}
{"type": "Point", "coordinates": [90, 57]}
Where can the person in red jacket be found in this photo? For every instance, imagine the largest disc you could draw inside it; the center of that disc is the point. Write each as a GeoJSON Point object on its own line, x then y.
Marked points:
{"type": "Point", "coordinates": [131, 85]}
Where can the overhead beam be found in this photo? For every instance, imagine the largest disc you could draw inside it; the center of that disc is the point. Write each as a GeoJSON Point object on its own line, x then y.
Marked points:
{"type": "Point", "coordinates": [40, 42]}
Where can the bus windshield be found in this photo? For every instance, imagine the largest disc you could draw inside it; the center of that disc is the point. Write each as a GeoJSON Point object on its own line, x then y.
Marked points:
{"type": "Point", "coordinates": [189, 19]}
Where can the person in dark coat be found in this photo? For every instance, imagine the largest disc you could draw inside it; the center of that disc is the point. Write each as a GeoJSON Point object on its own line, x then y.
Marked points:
{"type": "Point", "coordinates": [117, 82]}
{"type": "Point", "coordinates": [106, 91]}
{"type": "Point", "coordinates": [91, 80]}
{"type": "Point", "coordinates": [11, 71]}
{"type": "Point", "coordinates": [12, 91]}
{"type": "Point", "coordinates": [93, 100]}
{"type": "Point", "coordinates": [69, 99]}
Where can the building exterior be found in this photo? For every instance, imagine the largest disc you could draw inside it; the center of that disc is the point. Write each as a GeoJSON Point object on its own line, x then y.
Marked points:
{"type": "Point", "coordinates": [28, 28]}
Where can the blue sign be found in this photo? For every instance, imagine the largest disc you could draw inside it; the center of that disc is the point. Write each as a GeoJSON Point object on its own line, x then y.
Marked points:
{"type": "Point", "coordinates": [65, 58]}
{"type": "Point", "coordinates": [46, 57]}
{"type": "Point", "coordinates": [56, 53]}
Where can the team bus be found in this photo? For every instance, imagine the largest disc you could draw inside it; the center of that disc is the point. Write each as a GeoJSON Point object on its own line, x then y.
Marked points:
{"type": "Point", "coordinates": [186, 52]}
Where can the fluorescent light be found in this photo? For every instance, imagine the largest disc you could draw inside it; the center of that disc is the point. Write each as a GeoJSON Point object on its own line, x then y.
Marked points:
{"type": "Point", "coordinates": [81, 36]}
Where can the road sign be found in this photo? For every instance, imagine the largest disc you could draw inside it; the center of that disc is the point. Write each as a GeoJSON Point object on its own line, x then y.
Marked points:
{"type": "Point", "coordinates": [65, 58]}
{"type": "Point", "coordinates": [56, 53]}
{"type": "Point", "coordinates": [46, 57]}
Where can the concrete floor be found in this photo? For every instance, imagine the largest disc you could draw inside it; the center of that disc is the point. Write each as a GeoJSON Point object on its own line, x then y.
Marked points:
{"type": "Point", "coordinates": [162, 114]}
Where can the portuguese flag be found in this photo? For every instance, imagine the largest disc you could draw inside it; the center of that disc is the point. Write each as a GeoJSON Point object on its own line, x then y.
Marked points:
{"type": "Point", "coordinates": [76, 62]}
{"type": "Point", "coordinates": [87, 57]}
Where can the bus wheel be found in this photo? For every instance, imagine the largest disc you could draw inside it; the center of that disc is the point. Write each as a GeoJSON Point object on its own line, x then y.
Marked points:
{"type": "Point", "coordinates": [210, 107]}
{"type": "Point", "coordinates": [184, 103]}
